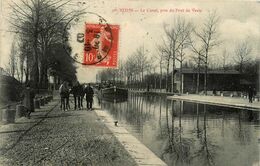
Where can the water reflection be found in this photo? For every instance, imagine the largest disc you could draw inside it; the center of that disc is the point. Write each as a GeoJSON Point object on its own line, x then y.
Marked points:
{"type": "Point", "coordinates": [179, 146]}
{"type": "Point", "coordinates": [207, 148]}
{"type": "Point", "coordinates": [184, 133]}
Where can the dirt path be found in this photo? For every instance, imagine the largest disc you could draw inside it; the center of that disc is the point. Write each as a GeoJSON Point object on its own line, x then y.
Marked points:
{"type": "Point", "coordinates": [54, 137]}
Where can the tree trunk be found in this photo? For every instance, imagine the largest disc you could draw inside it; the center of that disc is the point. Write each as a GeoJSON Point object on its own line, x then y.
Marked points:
{"type": "Point", "coordinates": [22, 72]}
{"type": "Point", "coordinates": [241, 67]}
{"type": "Point", "coordinates": [173, 67]}
{"type": "Point", "coordinates": [21, 76]}
{"type": "Point", "coordinates": [198, 78]}
{"type": "Point", "coordinates": [43, 76]}
{"type": "Point", "coordinates": [142, 80]}
{"type": "Point", "coordinates": [167, 73]}
{"type": "Point", "coordinates": [181, 79]}
{"type": "Point", "coordinates": [154, 80]}
{"type": "Point", "coordinates": [205, 76]}
{"type": "Point", "coordinates": [198, 83]}
{"type": "Point", "coordinates": [36, 58]}
{"type": "Point", "coordinates": [27, 70]}
{"type": "Point", "coordinates": [160, 77]}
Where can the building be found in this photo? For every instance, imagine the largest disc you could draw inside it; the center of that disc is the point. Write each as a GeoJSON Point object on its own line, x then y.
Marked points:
{"type": "Point", "coordinates": [220, 80]}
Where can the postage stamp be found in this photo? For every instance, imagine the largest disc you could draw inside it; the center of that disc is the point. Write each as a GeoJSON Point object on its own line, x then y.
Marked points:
{"type": "Point", "coordinates": [101, 45]}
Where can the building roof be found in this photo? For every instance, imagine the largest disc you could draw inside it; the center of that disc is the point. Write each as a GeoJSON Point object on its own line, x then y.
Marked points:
{"type": "Point", "coordinates": [210, 71]}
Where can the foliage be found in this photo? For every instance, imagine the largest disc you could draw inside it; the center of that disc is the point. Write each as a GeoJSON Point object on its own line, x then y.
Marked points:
{"type": "Point", "coordinates": [40, 25]}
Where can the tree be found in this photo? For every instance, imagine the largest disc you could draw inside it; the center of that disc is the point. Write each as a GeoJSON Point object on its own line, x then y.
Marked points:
{"type": "Point", "coordinates": [12, 64]}
{"type": "Point", "coordinates": [176, 36]}
{"type": "Point", "coordinates": [184, 38]}
{"type": "Point", "coordinates": [41, 23]}
{"type": "Point", "coordinates": [130, 68]}
{"type": "Point", "coordinates": [166, 57]}
{"type": "Point", "coordinates": [224, 58]}
{"type": "Point", "coordinates": [242, 54]}
{"type": "Point", "coordinates": [142, 62]}
{"type": "Point", "coordinates": [160, 58]}
{"type": "Point", "coordinates": [26, 54]}
{"type": "Point", "coordinates": [207, 37]}
{"type": "Point", "coordinates": [198, 51]}
{"type": "Point", "coordinates": [22, 58]}
{"type": "Point", "coordinates": [60, 64]}
{"type": "Point", "coordinates": [150, 70]}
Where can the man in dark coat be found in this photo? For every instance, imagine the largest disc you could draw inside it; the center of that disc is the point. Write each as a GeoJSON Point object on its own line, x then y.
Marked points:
{"type": "Point", "coordinates": [89, 96]}
{"type": "Point", "coordinates": [82, 94]}
{"type": "Point", "coordinates": [28, 96]}
{"type": "Point", "coordinates": [250, 94]}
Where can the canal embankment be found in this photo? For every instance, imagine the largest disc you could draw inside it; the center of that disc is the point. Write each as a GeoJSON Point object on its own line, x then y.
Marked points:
{"type": "Point", "coordinates": [233, 102]}
{"type": "Point", "coordinates": [225, 101]}
{"type": "Point", "coordinates": [152, 92]}
{"type": "Point", "coordinates": [139, 152]}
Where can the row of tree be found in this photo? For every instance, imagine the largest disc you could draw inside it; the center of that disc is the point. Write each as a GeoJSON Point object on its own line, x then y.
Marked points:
{"type": "Point", "coordinates": [182, 43]}
{"type": "Point", "coordinates": [37, 50]}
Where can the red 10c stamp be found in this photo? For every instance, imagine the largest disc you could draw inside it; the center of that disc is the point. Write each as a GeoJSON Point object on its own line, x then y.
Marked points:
{"type": "Point", "coordinates": [101, 45]}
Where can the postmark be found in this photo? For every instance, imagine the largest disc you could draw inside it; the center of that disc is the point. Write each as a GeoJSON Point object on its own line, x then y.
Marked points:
{"type": "Point", "coordinates": [90, 40]}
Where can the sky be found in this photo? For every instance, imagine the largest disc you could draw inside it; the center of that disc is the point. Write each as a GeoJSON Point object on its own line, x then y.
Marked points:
{"type": "Point", "coordinates": [239, 20]}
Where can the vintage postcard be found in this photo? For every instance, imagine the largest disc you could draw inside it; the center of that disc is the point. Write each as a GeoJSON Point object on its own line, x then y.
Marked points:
{"type": "Point", "coordinates": [130, 82]}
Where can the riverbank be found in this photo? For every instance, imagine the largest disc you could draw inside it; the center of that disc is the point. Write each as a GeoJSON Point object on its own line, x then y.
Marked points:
{"type": "Point", "coordinates": [234, 102]}
{"type": "Point", "coordinates": [54, 137]}
{"type": "Point", "coordinates": [139, 152]}
{"type": "Point", "coordinates": [152, 92]}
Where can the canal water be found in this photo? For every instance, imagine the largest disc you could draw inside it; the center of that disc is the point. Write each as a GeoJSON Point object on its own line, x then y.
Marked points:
{"type": "Point", "coordinates": [183, 133]}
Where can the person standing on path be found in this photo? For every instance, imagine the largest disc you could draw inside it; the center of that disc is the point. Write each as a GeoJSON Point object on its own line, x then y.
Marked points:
{"type": "Point", "coordinates": [28, 96]}
{"type": "Point", "coordinates": [89, 96]}
{"type": "Point", "coordinates": [76, 94]}
{"type": "Point", "coordinates": [62, 91]}
{"type": "Point", "coordinates": [67, 96]}
{"type": "Point", "coordinates": [250, 94]}
{"type": "Point", "coordinates": [82, 94]}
